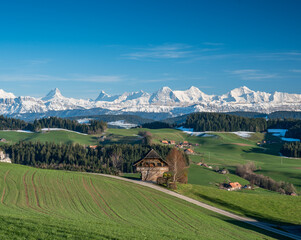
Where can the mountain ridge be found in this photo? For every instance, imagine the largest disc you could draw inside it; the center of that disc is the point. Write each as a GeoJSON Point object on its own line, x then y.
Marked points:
{"type": "Point", "coordinates": [165, 100]}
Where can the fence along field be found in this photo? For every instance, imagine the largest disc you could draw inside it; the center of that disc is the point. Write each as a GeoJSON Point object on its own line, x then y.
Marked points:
{"type": "Point", "coordinates": [49, 204]}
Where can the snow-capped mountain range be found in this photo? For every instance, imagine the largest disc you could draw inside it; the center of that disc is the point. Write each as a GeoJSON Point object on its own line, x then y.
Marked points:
{"type": "Point", "coordinates": [164, 100]}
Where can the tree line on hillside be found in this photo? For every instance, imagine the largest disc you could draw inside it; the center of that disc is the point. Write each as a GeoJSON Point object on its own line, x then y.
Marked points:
{"type": "Point", "coordinates": [247, 172]}
{"type": "Point", "coordinates": [224, 122]}
{"type": "Point", "coordinates": [110, 159]}
{"type": "Point", "coordinates": [291, 149]}
{"type": "Point", "coordinates": [158, 125]}
{"type": "Point", "coordinates": [7, 123]}
{"type": "Point", "coordinates": [94, 126]}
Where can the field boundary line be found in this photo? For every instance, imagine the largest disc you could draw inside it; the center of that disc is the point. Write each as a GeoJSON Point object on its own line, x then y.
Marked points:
{"type": "Point", "coordinates": [250, 221]}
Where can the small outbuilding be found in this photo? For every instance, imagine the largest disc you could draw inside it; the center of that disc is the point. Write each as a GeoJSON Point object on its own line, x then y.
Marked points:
{"type": "Point", "coordinates": [151, 166]}
{"type": "Point", "coordinates": [234, 186]}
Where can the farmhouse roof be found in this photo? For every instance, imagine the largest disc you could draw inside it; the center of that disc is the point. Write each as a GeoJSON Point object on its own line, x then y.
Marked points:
{"type": "Point", "coordinates": [235, 185]}
{"type": "Point", "coordinates": [152, 154]}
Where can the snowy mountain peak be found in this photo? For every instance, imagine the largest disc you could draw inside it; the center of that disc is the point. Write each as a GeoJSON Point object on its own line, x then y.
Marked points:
{"type": "Point", "coordinates": [163, 96]}
{"type": "Point", "coordinates": [193, 88]}
{"type": "Point", "coordinates": [240, 91]}
{"type": "Point", "coordinates": [53, 94]}
{"type": "Point", "coordinates": [103, 96]}
{"type": "Point", "coordinates": [165, 89]}
{"type": "Point", "coordinates": [4, 95]}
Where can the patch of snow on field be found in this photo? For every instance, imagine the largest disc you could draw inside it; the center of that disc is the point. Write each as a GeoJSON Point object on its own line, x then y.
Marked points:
{"type": "Point", "coordinates": [84, 120]}
{"type": "Point", "coordinates": [185, 129]}
{"type": "Point", "coordinates": [277, 132]}
{"type": "Point", "coordinates": [192, 133]}
{"type": "Point", "coordinates": [21, 131]}
{"type": "Point", "coordinates": [243, 134]}
{"type": "Point", "coordinates": [122, 124]}
{"type": "Point", "coordinates": [61, 129]}
{"type": "Point", "coordinates": [290, 139]}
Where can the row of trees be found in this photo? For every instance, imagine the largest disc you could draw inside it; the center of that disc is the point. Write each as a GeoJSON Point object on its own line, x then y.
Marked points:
{"type": "Point", "coordinates": [292, 149]}
{"type": "Point", "coordinates": [157, 125]}
{"type": "Point", "coordinates": [93, 127]}
{"type": "Point", "coordinates": [224, 122]}
{"type": "Point", "coordinates": [247, 172]}
{"type": "Point", "coordinates": [110, 159]}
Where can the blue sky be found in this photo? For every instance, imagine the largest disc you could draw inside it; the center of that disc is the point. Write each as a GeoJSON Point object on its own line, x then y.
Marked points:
{"type": "Point", "coordinates": [83, 47]}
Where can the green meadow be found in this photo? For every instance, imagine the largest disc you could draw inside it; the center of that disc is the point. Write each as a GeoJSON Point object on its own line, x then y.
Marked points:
{"type": "Point", "coordinates": [51, 136]}
{"type": "Point", "coordinates": [222, 150]}
{"type": "Point", "coordinates": [227, 150]}
{"type": "Point", "coordinates": [50, 204]}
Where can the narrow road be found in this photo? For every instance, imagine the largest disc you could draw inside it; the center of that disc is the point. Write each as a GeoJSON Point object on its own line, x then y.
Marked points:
{"type": "Point", "coordinates": [265, 226]}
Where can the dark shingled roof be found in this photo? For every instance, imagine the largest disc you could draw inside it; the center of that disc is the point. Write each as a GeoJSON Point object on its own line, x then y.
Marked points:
{"type": "Point", "coordinates": [152, 154]}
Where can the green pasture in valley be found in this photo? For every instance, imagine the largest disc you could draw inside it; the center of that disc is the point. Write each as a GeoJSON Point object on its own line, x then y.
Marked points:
{"type": "Point", "coordinates": [50, 204]}
{"type": "Point", "coordinates": [65, 137]}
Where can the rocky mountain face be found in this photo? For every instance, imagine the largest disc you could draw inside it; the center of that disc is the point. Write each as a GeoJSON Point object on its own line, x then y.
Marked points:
{"type": "Point", "coordinates": [165, 100]}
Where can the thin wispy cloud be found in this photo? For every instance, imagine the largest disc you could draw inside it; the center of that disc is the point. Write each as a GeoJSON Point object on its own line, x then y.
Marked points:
{"type": "Point", "coordinates": [252, 74]}
{"type": "Point", "coordinates": [213, 43]}
{"type": "Point", "coordinates": [168, 51]}
{"type": "Point", "coordinates": [160, 80]}
{"type": "Point", "coordinates": [280, 56]}
{"type": "Point", "coordinates": [296, 70]}
{"type": "Point", "coordinates": [73, 78]}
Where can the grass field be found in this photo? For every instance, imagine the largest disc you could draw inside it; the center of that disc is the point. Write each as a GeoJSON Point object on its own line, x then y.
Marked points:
{"type": "Point", "coordinates": [49, 204]}
{"type": "Point", "coordinates": [51, 136]}
{"type": "Point", "coordinates": [227, 150]}
{"type": "Point", "coordinates": [261, 204]}
{"type": "Point", "coordinates": [224, 150]}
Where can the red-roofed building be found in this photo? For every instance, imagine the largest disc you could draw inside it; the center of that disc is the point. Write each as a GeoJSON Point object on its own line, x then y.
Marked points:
{"type": "Point", "coordinates": [234, 186]}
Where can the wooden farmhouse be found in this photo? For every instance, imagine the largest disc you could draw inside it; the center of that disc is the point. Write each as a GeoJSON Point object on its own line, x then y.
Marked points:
{"type": "Point", "coordinates": [151, 166]}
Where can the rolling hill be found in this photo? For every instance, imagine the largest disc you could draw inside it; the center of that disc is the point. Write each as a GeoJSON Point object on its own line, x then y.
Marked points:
{"type": "Point", "coordinates": [49, 204]}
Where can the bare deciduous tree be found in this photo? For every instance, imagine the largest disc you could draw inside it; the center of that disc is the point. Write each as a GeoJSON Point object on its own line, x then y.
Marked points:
{"type": "Point", "coordinates": [177, 166]}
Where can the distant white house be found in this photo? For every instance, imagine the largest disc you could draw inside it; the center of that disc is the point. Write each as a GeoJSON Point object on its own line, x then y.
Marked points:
{"type": "Point", "coordinates": [4, 157]}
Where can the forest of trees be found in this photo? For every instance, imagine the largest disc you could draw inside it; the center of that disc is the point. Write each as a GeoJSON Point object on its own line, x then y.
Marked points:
{"type": "Point", "coordinates": [93, 127]}
{"type": "Point", "coordinates": [224, 122]}
{"type": "Point", "coordinates": [110, 159]}
{"type": "Point", "coordinates": [291, 149]}
{"type": "Point", "coordinates": [7, 123]}
{"type": "Point", "coordinates": [157, 125]}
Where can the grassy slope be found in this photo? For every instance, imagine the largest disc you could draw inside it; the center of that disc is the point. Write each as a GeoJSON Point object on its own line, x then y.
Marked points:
{"type": "Point", "coordinates": [224, 152]}
{"type": "Point", "coordinates": [52, 136]}
{"type": "Point", "coordinates": [263, 205]}
{"type": "Point", "coordinates": [48, 204]}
